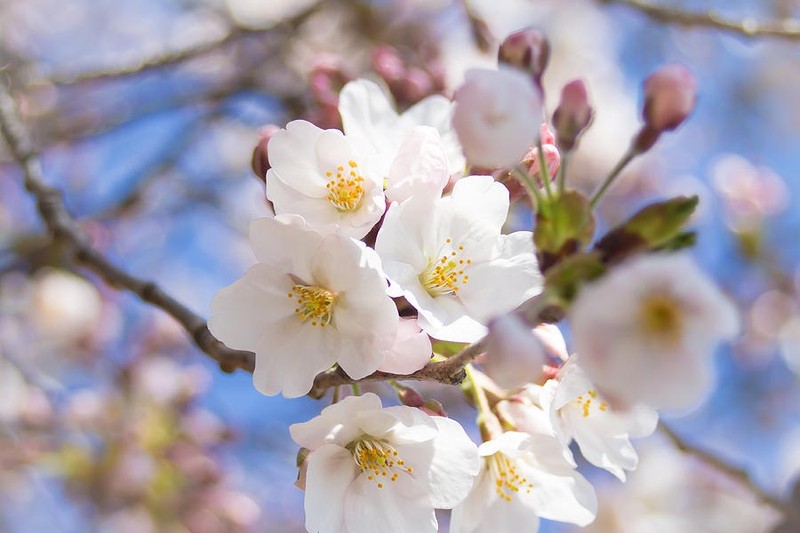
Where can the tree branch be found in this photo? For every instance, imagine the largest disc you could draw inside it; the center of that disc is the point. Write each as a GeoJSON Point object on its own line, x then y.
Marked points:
{"type": "Point", "coordinates": [179, 56]}
{"type": "Point", "coordinates": [65, 230]}
{"type": "Point", "coordinates": [738, 474]}
{"type": "Point", "coordinates": [788, 29]}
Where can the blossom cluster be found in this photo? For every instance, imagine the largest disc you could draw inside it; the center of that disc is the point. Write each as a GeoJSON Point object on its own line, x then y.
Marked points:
{"type": "Point", "coordinates": [387, 242]}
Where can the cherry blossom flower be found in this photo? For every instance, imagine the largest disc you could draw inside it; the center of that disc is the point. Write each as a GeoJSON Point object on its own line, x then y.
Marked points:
{"type": "Point", "coordinates": [310, 302]}
{"type": "Point", "coordinates": [603, 433]}
{"type": "Point", "coordinates": [382, 469]}
{"type": "Point", "coordinates": [325, 177]}
{"type": "Point", "coordinates": [448, 258]}
{"type": "Point", "coordinates": [497, 116]}
{"type": "Point", "coordinates": [369, 116]}
{"type": "Point", "coordinates": [654, 345]}
{"type": "Point", "coordinates": [524, 477]}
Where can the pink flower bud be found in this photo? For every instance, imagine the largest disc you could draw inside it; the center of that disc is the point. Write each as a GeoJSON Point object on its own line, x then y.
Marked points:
{"type": "Point", "coordinates": [526, 49]}
{"type": "Point", "coordinates": [387, 64]}
{"type": "Point", "coordinates": [433, 408]}
{"type": "Point", "coordinates": [573, 114]}
{"type": "Point", "coordinates": [496, 116]}
{"type": "Point", "coordinates": [410, 397]}
{"type": "Point", "coordinates": [670, 96]}
{"type": "Point", "coordinates": [260, 160]}
{"type": "Point", "coordinates": [552, 159]}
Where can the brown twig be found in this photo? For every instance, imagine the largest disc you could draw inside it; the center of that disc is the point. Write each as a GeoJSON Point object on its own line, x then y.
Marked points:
{"type": "Point", "coordinates": [738, 474]}
{"type": "Point", "coordinates": [66, 231]}
{"type": "Point", "coordinates": [171, 58]}
{"type": "Point", "coordinates": [788, 29]}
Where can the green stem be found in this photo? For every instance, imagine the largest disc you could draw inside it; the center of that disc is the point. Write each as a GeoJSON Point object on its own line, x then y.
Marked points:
{"type": "Point", "coordinates": [621, 164]}
{"type": "Point", "coordinates": [544, 171]}
{"type": "Point", "coordinates": [336, 394]}
{"type": "Point", "coordinates": [356, 389]}
{"type": "Point", "coordinates": [562, 173]}
{"type": "Point", "coordinates": [481, 402]}
{"type": "Point", "coordinates": [530, 186]}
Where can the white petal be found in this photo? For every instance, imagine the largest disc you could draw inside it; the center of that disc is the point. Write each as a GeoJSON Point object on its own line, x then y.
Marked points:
{"type": "Point", "coordinates": [482, 199]}
{"type": "Point", "coordinates": [286, 242]}
{"type": "Point", "coordinates": [566, 498]}
{"type": "Point", "coordinates": [290, 354]}
{"type": "Point", "coordinates": [405, 230]}
{"type": "Point", "coordinates": [468, 516]}
{"type": "Point", "coordinates": [518, 273]}
{"type": "Point", "coordinates": [398, 507]}
{"type": "Point", "coordinates": [292, 156]}
{"type": "Point", "coordinates": [240, 312]}
{"type": "Point", "coordinates": [368, 115]}
{"type": "Point", "coordinates": [334, 423]}
{"type": "Point", "coordinates": [454, 464]}
{"type": "Point", "coordinates": [398, 425]}
{"type": "Point", "coordinates": [331, 472]}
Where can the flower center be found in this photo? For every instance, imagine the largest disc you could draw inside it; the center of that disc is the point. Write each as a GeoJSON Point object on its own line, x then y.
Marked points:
{"type": "Point", "coordinates": [506, 478]}
{"type": "Point", "coordinates": [661, 317]}
{"type": "Point", "coordinates": [314, 303]}
{"type": "Point", "coordinates": [585, 402]}
{"type": "Point", "coordinates": [445, 273]}
{"type": "Point", "coordinates": [345, 189]}
{"type": "Point", "coordinates": [379, 460]}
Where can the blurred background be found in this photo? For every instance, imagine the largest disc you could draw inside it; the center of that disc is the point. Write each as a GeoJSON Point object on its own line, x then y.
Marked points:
{"type": "Point", "coordinates": [147, 113]}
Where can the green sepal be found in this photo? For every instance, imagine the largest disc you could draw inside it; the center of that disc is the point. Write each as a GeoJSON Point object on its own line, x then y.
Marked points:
{"type": "Point", "coordinates": [654, 227]}
{"type": "Point", "coordinates": [565, 279]}
{"type": "Point", "coordinates": [564, 226]}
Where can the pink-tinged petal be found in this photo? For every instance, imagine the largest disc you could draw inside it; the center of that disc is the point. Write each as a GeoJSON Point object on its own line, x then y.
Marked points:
{"type": "Point", "coordinates": [514, 356]}
{"type": "Point", "coordinates": [437, 111]}
{"type": "Point", "coordinates": [420, 168]}
{"type": "Point", "coordinates": [240, 312]}
{"type": "Point", "coordinates": [464, 329]}
{"type": "Point", "coordinates": [286, 242]}
{"type": "Point", "coordinates": [290, 354]}
{"type": "Point", "coordinates": [333, 425]}
{"type": "Point", "coordinates": [330, 474]}
{"type": "Point", "coordinates": [399, 506]}
{"type": "Point", "coordinates": [411, 349]}
{"type": "Point", "coordinates": [293, 157]}
{"type": "Point", "coordinates": [398, 425]}
{"type": "Point", "coordinates": [496, 117]}
{"type": "Point", "coordinates": [454, 464]}
{"type": "Point", "coordinates": [553, 341]}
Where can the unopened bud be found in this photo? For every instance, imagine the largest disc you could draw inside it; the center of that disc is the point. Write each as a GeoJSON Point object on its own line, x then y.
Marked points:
{"type": "Point", "coordinates": [670, 94]}
{"type": "Point", "coordinates": [573, 114]}
{"type": "Point", "coordinates": [552, 157]}
{"type": "Point", "coordinates": [528, 50]}
{"type": "Point", "coordinates": [386, 62]}
{"type": "Point", "coordinates": [260, 160]}
{"type": "Point", "coordinates": [410, 397]}
{"type": "Point", "coordinates": [433, 408]}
